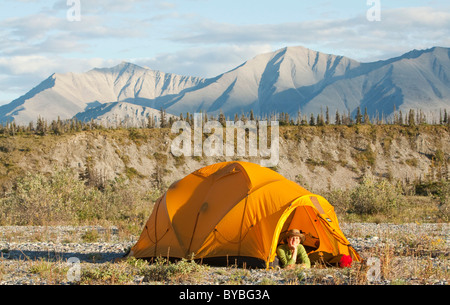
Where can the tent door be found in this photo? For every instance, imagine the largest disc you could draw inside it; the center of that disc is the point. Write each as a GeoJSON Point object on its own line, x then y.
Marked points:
{"type": "Point", "coordinates": [303, 219]}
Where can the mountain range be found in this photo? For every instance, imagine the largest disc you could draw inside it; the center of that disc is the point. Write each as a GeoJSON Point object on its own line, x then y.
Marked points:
{"type": "Point", "coordinates": [288, 80]}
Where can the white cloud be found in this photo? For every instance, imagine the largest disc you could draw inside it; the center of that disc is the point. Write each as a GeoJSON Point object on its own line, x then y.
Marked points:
{"type": "Point", "coordinates": [19, 74]}
{"type": "Point", "coordinates": [98, 7]}
{"type": "Point", "coordinates": [45, 66]}
{"type": "Point", "coordinates": [45, 34]}
{"type": "Point", "coordinates": [204, 61]}
{"type": "Point", "coordinates": [398, 31]}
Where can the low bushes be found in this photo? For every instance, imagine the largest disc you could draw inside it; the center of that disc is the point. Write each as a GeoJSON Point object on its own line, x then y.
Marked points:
{"type": "Point", "coordinates": [370, 197]}
{"type": "Point", "coordinates": [380, 200]}
{"type": "Point", "coordinates": [64, 198]}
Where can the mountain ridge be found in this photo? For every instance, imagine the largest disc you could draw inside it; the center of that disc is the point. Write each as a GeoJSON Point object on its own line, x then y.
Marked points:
{"type": "Point", "coordinates": [289, 80]}
{"type": "Point", "coordinates": [65, 95]}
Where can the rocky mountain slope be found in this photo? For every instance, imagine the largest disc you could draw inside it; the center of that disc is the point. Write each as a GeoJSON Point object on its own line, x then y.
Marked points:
{"type": "Point", "coordinates": [122, 114]}
{"type": "Point", "coordinates": [65, 95]}
{"type": "Point", "coordinates": [319, 158]}
{"type": "Point", "coordinates": [289, 80]}
{"type": "Point", "coordinates": [296, 78]}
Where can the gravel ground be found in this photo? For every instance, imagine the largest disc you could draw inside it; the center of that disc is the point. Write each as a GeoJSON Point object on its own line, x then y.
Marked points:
{"type": "Point", "coordinates": [407, 254]}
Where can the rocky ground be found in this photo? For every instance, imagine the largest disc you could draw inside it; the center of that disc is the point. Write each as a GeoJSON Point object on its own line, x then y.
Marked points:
{"type": "Point", "coordinates": [395, 254]}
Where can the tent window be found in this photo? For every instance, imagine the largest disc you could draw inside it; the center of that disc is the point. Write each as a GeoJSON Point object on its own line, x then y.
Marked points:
{"type": "Point", "coordinates": [317, 205]}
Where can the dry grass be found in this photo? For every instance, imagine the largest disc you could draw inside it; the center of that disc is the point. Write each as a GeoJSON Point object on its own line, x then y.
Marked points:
{"type": "Point", "coordinates": [406, 257]}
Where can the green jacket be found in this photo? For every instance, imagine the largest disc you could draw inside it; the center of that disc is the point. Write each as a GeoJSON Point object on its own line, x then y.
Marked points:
{"type": "Point", "coordinates": [285, 256]}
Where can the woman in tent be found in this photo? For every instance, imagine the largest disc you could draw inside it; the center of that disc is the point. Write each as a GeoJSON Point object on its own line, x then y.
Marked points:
{"type": "Point", "coordinates": [293, 252]}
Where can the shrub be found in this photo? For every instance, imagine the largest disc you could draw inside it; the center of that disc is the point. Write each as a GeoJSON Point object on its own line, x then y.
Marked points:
{"type": "Point", "coordinates": [62, 198]}
{"type": "Point", "coordinates": [108, 273]}
{"type": "Point", "coordinates": [340, 200]}
{"type": "Point", "coordinates": [370, 198]}
{"type": "Point", "coordinates": [443, 196]}
{"type": "Point", "coordinates": [366, 157]}
{"type": "Point", "coordinates": [163, 271]}
{"type": "Point", "coordinates": [90, 236]}
{"type": "Point", "coordinates": [373, 197]}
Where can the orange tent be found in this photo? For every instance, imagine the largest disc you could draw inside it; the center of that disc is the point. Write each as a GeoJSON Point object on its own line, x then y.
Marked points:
{"type": "Point", "coordinates": [236, 213]}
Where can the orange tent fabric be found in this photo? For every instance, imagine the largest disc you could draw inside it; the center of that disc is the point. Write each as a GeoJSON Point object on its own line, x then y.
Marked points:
{"type": "Point", "coordinates": [237, 212]}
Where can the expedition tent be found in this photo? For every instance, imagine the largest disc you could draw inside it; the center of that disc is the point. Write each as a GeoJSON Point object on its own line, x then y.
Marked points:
{"type": "Point", "coordinates": [237, 213]}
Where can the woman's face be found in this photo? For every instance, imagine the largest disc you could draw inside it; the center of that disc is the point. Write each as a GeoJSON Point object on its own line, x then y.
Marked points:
{"type": "Point", "coordinates": [294, 240]}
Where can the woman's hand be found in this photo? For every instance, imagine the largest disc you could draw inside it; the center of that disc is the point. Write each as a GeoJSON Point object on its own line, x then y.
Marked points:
{"type": "Point", "coordinates": [293, 243]}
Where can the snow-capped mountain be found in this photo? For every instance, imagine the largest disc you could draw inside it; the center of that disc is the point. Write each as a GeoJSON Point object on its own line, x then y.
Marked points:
{"type": "Point", "coordinates": [287, 80]}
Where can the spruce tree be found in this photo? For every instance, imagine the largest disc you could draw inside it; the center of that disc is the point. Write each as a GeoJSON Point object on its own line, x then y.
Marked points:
{"type": "Point", "coordinates": [358, 116]}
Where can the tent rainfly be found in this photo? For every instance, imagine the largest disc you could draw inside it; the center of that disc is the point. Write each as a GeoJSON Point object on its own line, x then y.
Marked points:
{"type": "Point", "coordinates": [237, 213]}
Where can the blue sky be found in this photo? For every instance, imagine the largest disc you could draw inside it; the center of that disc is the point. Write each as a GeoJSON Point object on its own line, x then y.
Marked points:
{"type": "Point", "coordinates": [201, 37]}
